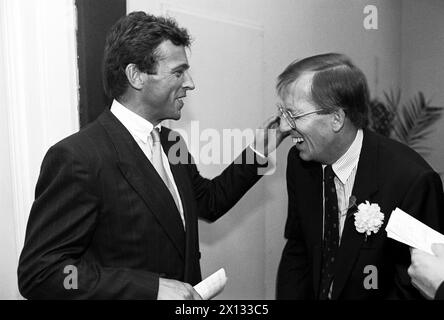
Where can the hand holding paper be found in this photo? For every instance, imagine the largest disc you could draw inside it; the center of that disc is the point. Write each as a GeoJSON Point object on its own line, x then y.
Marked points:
{"type": "Point", "coordinates": [212, 286]}
{"type": "Point", "coordinates": [404, 228]}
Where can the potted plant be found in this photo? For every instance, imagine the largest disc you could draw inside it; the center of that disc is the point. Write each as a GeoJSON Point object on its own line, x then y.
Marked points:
{"type": "Point", "coordinates": [410, 124]}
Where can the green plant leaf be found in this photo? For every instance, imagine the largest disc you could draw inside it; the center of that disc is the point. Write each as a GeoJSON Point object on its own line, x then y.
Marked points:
{"type": "Point", "coordinates": [414, 120]}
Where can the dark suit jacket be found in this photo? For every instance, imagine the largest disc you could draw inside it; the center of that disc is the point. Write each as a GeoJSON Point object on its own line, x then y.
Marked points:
{"type": "Point", "coordinates": [101, 206]}
{"type": "Point", "coordinates": [389, 174]}
{"type": "Point", "coordinates": [439, 295]}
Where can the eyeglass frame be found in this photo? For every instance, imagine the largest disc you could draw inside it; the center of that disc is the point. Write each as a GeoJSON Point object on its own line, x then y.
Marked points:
{"type": "Point", "coordinates": [291, 119]}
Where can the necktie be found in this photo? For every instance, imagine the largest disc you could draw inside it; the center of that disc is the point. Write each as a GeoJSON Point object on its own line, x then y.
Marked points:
{"type": "Point", "coordinates": [331, 232]}
{"type": "Point", "coordinates": [158, 165]}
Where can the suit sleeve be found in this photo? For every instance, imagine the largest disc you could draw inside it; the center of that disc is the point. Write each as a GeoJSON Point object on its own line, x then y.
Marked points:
{"type": "Point", "coordinates": [440, 292]}
{"type": "Point", "coordinates": [54, 263]}
{"type": "Point", "coordinates": [424, 201]}
{"type": "Point", "coordinates": [294, 279]}
{"type": "Point", "coordinates": [215, 197]}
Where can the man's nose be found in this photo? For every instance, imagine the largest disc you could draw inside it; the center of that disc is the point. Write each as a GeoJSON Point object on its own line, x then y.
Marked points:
{"type": "Point", "coordinates": [283, 125]}
{"type": "Point", "coordinates": [188, 82]}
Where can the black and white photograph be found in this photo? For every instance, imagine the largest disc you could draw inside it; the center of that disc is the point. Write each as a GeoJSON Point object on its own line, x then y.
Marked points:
{"type": "Point", "coordinates": [248, 151]}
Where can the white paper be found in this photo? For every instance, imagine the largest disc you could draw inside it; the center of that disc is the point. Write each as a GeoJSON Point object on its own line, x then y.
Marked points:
{"type": "Point", "coordinates": [212, 285]}
{"type": "Point", "coordinates": [400, 239]}
{"type": "Point", "coordinates": [404, 228]}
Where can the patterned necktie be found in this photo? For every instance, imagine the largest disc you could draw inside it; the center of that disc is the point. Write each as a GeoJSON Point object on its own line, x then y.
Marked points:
{"type": "Point", "coordinates": [158, 165]}
{"type": "Point", "coordinates": [331, 232]}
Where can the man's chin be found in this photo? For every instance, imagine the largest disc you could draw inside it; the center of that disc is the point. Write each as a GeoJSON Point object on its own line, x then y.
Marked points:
{"type": "Point", "coordinates": [177, 115]}
{"type": "Point", "coordinates": [173, 117]}
{"type": "Point", "coordinates": [304, 156]}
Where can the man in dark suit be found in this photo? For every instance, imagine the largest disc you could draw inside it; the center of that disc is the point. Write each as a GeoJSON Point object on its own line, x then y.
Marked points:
{"type": "Point", "coordinates": [334, 250]}
{"type": "Point", "coordinates": [116, 207]}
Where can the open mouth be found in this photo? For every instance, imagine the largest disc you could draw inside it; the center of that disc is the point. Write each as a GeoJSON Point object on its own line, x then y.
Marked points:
{"type": "Point", "coordinates": [298, 140]}
{"type": "Point", "coordinates": [180, 102]}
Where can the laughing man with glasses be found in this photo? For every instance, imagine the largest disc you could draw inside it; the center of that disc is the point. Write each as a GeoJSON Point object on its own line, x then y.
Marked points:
{"type": "Point", "coordinates": [335, 165]}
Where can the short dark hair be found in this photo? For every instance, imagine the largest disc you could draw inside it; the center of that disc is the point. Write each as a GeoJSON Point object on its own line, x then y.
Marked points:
{"type": "Point", "coordinates": [337, 83]}
{"type": "Point", "coordinates": [135, 39]}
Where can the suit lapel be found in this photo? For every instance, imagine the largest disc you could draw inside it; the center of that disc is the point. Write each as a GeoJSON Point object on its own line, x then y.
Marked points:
{"type": "Point", "coordinates": [178, 170]}
{"type": "Point", "coordinates": [176, 150]}
{"type": "Point", "coordinates": [364, 187]}
{"type": "Point", "coordinates": [142, 176]}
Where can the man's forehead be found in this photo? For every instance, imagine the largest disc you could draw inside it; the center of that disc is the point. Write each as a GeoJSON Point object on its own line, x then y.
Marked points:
{"type": "Point", "coordinates": [302, 85]}
{"type": "Point", "coordinates": [300, 89]}
{"type": "Point", "coordinates": [171, 54]}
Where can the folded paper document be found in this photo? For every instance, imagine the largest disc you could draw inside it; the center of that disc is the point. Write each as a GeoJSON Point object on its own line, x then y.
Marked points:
{"type": "Point", "coordinates": [212, 286]}
{"type": "Point", "coordinates": [404, 228]}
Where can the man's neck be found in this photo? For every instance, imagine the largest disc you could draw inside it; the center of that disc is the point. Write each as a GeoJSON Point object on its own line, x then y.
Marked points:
{"type": "Point", "coordinates": [137, 107]}
{"type": "Point", "coordinates": [343, 143]}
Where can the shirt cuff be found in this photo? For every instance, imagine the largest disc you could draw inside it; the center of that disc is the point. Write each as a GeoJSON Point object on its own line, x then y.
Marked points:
{"type": "Point", "coordinates": [257, 152]}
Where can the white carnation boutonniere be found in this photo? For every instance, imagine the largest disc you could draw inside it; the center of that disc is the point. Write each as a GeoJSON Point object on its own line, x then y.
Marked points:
{"type": "Point", "coordinates": [368, 218]}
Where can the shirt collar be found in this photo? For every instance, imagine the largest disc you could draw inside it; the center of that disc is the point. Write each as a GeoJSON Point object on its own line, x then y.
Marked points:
{"type": "Point", "coordinates": [344, 166]}
{"type": "Point", "coordinates": [136, 125]}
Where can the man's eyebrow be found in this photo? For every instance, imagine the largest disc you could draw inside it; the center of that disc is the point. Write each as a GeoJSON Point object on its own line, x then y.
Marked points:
{"type": "Point", "coordinates": [183, 66]}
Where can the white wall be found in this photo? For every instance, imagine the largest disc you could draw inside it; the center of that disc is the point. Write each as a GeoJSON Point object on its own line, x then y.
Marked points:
{"type": "Point", "coordinates": [248, 241]}
{"type": "Point", "coordinates": [423, 63]}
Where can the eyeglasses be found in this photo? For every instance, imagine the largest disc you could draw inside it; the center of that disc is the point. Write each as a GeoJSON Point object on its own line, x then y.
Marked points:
{"type": "Point", "coordinates": [291, 118]}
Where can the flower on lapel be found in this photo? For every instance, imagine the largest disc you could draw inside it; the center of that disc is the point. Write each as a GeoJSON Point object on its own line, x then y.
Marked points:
{"type": "Point", "coordinates": [368, 218]}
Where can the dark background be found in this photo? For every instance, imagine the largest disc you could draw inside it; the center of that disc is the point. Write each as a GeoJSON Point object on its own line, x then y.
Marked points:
{"type": "Point", "coordinates": [95, 18]}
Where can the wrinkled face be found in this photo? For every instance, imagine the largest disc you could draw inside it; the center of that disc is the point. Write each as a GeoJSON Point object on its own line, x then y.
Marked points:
{"type": "Point", "coordinates": [164, 91]}
{"type": "Point", "coordinates": [314, 133]}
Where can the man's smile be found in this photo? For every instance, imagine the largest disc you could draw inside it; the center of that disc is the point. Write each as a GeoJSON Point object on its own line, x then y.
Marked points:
{"type": "Point", "coordinates": [297, 139]}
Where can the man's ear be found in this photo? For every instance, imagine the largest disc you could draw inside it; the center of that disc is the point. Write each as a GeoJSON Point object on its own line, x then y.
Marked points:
{"type": "Point", "coordinates": [338, 120]}
{"type": "Point", "coordinates": [136, 78]}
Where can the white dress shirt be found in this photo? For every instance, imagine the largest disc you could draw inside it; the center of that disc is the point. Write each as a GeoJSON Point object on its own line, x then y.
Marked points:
{"type": "Point", "coordinates": [140, 129]}
{"type": "Point", "coordinates": [345, 170]}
